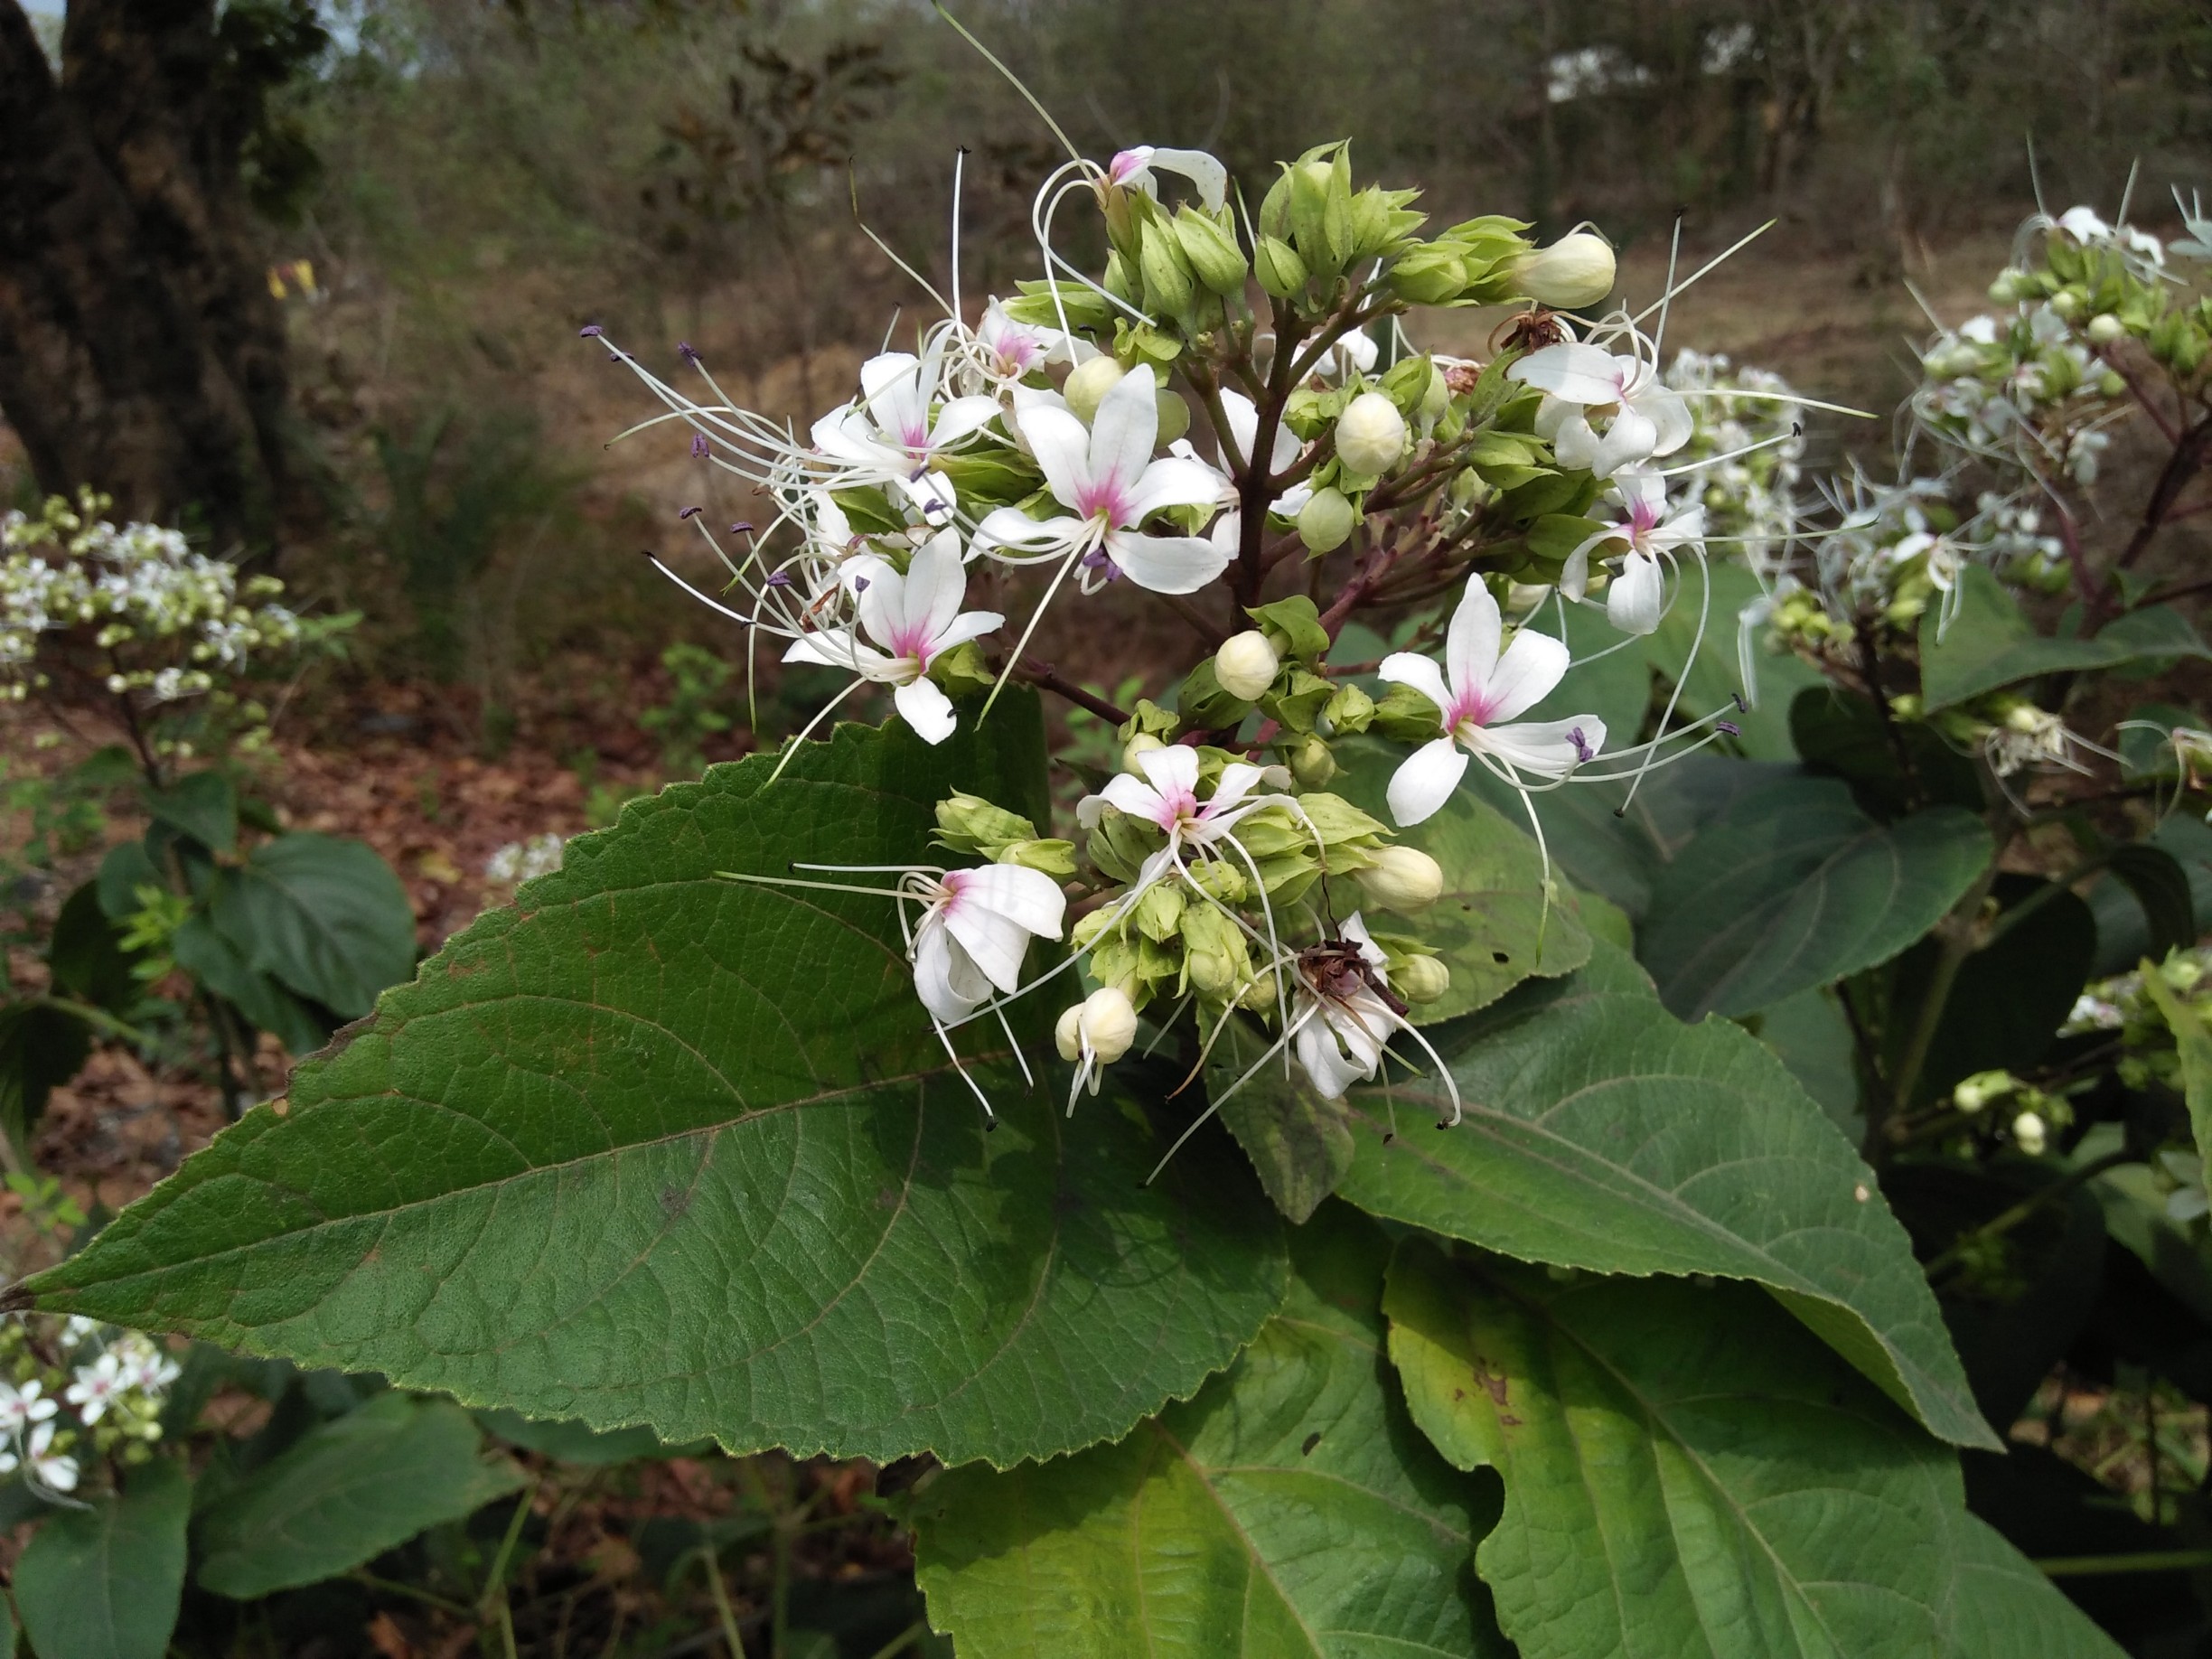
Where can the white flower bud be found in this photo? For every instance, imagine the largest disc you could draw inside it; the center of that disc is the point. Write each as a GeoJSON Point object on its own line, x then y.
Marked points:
{"type": "Point", "coordinates": [1972, 1094]}
{"type": "Point", "coordinates": [1107, 1022]}
{"type": "Point", "coordinates": [2106, 329]}
{"type": "Point", "coordinates": [1245, 665]}
{"type": "Point", "coordinates": [2066, 304]}
{"type": "Point", "coordinates": [1067, 1032]}
{"type": "Point", "coordinates": [1575, 272]}
{"type": "Point", "coordinates": [2027, 1133]}
{"type": "Point", "coordinates": [1325, 522]}
{"type": "Point", "coordinates": [1143, 743]}
{"type": "Point", "coordinates": [1089, 383]}
{"type": "Point", "coordinates": [1403, 878]}
{"type": "Point", "coordinates": [1371, 435]}
{"type": "Point", "coordinates": [1420, 979]}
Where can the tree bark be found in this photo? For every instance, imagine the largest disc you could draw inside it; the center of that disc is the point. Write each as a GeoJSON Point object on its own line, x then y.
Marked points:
{"type": "Point", "coordinates": [141, 351]}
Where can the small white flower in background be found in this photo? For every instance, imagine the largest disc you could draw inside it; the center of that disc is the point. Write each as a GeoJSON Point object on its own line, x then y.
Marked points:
{"type": "Point", "coordinates": [2197, 243]}
{"type": "Point", "coordinates": [1477, 694]}
{"type": "Point", "coordinates": [1094, 1033]}
{"type": "Point", "coordinates": [520, 861]}
{"type": "Point", "coordinates": [912, 619]}
{"type": "Point", "coordinates": [77, 1329]}
{"type": "Point", "coordinates": [56, 1470]}
{"type": "Point", "coordinates": [21, 1407]}
{"type": "Point", "coordinates": [96, 1387]}
{"type": "Point", "coordinates": [146, 1367]}
{"type": "Point", "coordinates": [1110, 483]}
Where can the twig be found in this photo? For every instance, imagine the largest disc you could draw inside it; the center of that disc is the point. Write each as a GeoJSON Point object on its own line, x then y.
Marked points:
{"type": "Point", "coordinates": [2027, 1209]}
{"type": "Point", "coordinates": [1046, 677]}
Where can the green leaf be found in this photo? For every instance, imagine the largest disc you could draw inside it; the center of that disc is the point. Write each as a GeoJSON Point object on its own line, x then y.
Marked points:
{"type": "Point", "coordinates": [203, 806]}
{"type": "Point", "coordinates": [1992, 643]}
{"type": "Point", "coordinates": [87, 956]}
{"type": "Point", "coordinates": [1709, 668]}
{"type": "Point", "coordinates": [126, 868]}
{"type": "Point", "coordinates": [1492, 926]}
{"type": "Point", "coordinates": [1601, 1134]}
{"type": "Point", "coordinates": [221, 966]}
{"type": "Point", "coordinates": [1300, 1143]}
{"type": "Point", "coordinates": [103, 1582]}
{"type": "Point", "coordinates": [2194, 1044]}
{"type": "Point", "coordinates": [1687, 1475]}
{"type": "Point", "coordinates": [7, 1628]}
{"type": "Point", "coordinates": [1792, 888]}
{"type": "Point", "coordinates": [667, 1150]}
{"type": "Point", "coordinates": [325, 916]}
{"type": "Point", "coordinates": [346, 1492]}
{"type": "Point", "coordinates": [1291, 1509]}
{"type": "Point", "coordinates": [2160, 886]}
{"type": "Point", "coordinates": [41, 1048]}
{"type": "Point", "coordinates": [1842, 734]}
{"type": "Point", "coordinates": [574, 1442]}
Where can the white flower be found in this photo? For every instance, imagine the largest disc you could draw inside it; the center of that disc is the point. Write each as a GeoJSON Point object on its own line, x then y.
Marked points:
{"type": "Point", "coordinates": [1133, 169]}
{"type": "Point", "coordinates": [1648, 418]}
{"type": "Point", "coordinates": [49, 1468]}
{"type": "Point", "coordinates": [913, 619]}
{"type": "Point", "coordinates": [1166, 796]}
{"type": "Point", "coordinates": [1341, 1019]}
{"type": "Point", "coordinates": [20, 1408]}
{"type": "Point", "coordinates": [96, 1387]}
{"type": "Point", "coordinates": [891, 434]}
{"type": "Point", "coordinates": [1651, 535]}
{"type": "Point", "coordinates": [1282, 456]}
{"type": "Point", "coordinates": [1108, 480]}
{"type": "Point", "coordinates": [974, 929]}
{"type": "Point", "coordinates": [1477, 694]}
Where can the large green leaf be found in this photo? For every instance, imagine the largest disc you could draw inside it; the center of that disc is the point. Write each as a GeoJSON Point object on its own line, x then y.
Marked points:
{"type": "Point", "coordinates": [103, 1582]}
{"type": "Point", "coordinates": [42, 1048]}
{"type": "Point", "coordinates": [1992, 643]}
{"type": "Point", "coordinates": [203, 806]}
{"type": "Point", "coordinates": [326, 917]}
{"type": "Point", "coordinates": [1793, 886]}
{"type": "Point", "coordinates": [2194, 1044]}
{"type": "Point", "coordinates": [346, 1492]}
{"type": "Point", "coordinates": [656, 1147]}
{"type": "Point", "coordinates": [1600, 1133]}
{"type": "Point", "coordinates": [1687, 1475]}
{"type": "Point", "coordinates": [221, 967]}
{"type": "Point", "coordinates": [1291, 1509]}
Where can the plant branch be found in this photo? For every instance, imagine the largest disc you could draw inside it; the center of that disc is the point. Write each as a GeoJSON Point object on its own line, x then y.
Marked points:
{"type": "Point", "coordinates": [1046, 677]}
{"type": "Point", "coordinates": [2027, 1209]}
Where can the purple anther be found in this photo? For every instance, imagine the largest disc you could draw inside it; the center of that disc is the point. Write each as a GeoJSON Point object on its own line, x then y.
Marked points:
{"type": "Point", "coordinates": [744, 526]}
{"type": "Point", "coordinates": [779, 578]}
{"type": "Point", "coordinates": [1583, 752]}
{"type": "Point", "coordinates": [687, 350]}
{"type": "Point", "coordinates": [691, 512]}
{"type": "Point", "coordinates": [1741, 707]}
{"type": "Point", "coordinates": [860, 585]}
{"type": "Point", "coordinates": [590, 331]}
{"type": "Point", "coordinates": [1728, 728]}
{"type": "Point", "coordinates": [698, 445]}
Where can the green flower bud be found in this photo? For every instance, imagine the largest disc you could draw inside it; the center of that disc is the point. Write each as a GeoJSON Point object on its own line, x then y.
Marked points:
{"type": "Point", "coordinates": [2110, 384]}
{"type": "Point", "coordinates": [970, 824]}
{"type": "Point", "coordinates": [1090, 382]}
{"type": "Point", "coordinates": [1348, 711]}
{"type": "Point", "coordinates": [2066, 303]}
{"type": "Point", "coordinates": [1159, 913]}
{"type": "Point", "coordinates": [1213, 252]}
{"type": "Point", "coordinates": [1420, 979]}
{"type": "Point", "coordinates": [1429, 275]}
{"type": "Point", "coordinates": [1574, 273]}
{"type": "Point", "coordinates": [1402, 878]}
{"type": "Point", "coordinates": [1143, 743]}
{"type": "Point", "coordinates": [1170, 285]}
{"type": "Point", "coordinates": [1246, 664]}
{"type": "Point", "coordinates": [1325, 524]}
{"type": "Point", "coordinates": [1371, 435]}
{"type": "Point", "coordinates": [1312, 764]}
{"type": "Point", "coordinates": [1277, 265]}
{"type": "Point", "coordinates": [1174, 415]}
{"type": "Point", "coordinates": [1214, 957]}
{"type": "Point", "coordinates": [1049, 857]}
{"type": "Point", "coordinates": [2009, 286]}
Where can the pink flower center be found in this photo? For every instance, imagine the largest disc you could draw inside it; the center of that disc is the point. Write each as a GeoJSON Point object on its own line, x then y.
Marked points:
{"type": "Point", "coordinates": [1469, 708]}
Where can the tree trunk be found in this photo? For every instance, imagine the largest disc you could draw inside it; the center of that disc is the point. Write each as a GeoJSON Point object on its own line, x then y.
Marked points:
{"type": "Point", "coordinates": [141, 351]}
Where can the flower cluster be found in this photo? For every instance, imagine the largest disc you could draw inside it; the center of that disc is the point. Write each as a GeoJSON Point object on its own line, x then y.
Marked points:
{"type": "Point", "coordinates": [1160, 428]}
{"type": "Point", "coordinates": [519, 861]}
{"type": "Point", "coordinates": [138, 612]}
{"type": "Point", "coordinates": [72, 1391]}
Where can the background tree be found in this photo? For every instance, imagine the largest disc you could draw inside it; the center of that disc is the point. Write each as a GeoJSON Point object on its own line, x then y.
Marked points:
{"type": "Point", "coordinates": [146, 353]}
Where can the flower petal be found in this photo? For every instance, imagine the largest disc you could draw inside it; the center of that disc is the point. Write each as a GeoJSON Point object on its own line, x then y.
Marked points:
{"type": "Point", "coordinates": [1122, 434]}
{"type": "Point", "coordinates": [1406, 668]}
{"type": "Point", "coordinates": [1167, 564]}
{"type": "Point", "coordinates": [1424, 781]}
{"type": "Point", "coordinates": [1010, 527]}
{"type": "Point", "coordinates": [1471, 643]}
{"type": "Point", "coordinates": [1637, 596]}
{"type": "Point", "coordinates": [1062, 447]}
{"type": "Point", "coordinates": [961, 418]}
{"type": "Point", "coordinates": [937, 583]}
{"type": "Point", "coordinates": [1172, 483]}
{"type": "Point", "coordinates": [1030, 898]}
{"type": "Point", "coordinates": [1545, 748]}
{"type": "Point", "coordinates": [1531, 666]}
{"type": "Point", "coordinates": [924, 706]}
{"type": "Point", "coordinates": [945, 979]}
{"type": "Point", "coordinates": [1583, 374]}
